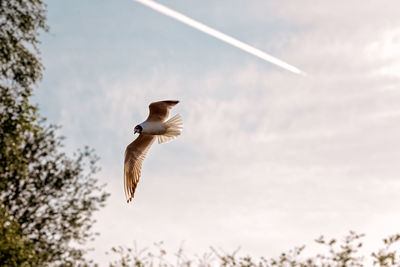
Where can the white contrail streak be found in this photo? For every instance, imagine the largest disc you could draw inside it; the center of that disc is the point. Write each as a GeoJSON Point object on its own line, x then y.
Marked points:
{"type": "Point", "coordinates": [217, 34]}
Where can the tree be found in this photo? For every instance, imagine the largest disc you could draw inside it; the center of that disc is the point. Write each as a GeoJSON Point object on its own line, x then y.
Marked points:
{"type": "Point", "coordinates": [15, 249]}
{"type": "Point", "coordinates": [47, 197]}
{"type": "Point", "coordinates": [345, 253]}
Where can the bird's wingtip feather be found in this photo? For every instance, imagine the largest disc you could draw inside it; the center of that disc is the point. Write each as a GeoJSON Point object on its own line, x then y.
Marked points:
{"type": "Point", "coordinates": [172, 102]}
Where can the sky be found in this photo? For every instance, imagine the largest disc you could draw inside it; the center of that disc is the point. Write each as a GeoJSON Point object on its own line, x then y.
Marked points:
{"type": "Point", "coordinates": [268, 160]}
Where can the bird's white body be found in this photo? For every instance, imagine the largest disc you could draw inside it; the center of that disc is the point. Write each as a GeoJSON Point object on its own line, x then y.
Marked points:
{"type": "Point", "coordinates": [153, 127]}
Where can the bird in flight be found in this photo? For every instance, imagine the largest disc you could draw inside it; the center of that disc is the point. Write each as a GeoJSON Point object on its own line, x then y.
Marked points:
{"type": "Point", "coordinates": [155, 126]}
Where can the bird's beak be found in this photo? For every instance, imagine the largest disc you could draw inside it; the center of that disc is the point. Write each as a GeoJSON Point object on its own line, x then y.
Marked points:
{"type": "Point", "coordinates": [135, 131]}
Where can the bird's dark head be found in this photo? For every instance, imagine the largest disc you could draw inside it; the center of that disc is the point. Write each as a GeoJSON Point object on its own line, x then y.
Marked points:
{"type": "Point", "coordinates": [138, 129]}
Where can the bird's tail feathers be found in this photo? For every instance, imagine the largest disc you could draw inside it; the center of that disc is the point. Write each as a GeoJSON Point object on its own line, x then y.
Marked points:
{"type": "Point", "coordinates": [174, 129]}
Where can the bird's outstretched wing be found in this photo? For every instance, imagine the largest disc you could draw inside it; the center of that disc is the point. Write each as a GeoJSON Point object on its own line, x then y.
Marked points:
{"type": "Point", "coordinates": [159, 111]}
{"type": "Point", "coordinates": [134, 155]}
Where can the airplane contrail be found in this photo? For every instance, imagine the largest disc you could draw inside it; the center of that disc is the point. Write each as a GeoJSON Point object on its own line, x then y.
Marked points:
{"type": "Point", "coordinates": [217, 34]}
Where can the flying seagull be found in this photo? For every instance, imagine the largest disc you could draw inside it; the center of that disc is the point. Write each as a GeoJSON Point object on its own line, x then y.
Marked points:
{"type": "Point", "coordinates": [155, 126]}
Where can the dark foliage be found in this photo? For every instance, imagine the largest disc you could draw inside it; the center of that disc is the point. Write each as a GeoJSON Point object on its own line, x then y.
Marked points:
{"type": "Point", "coordinates": [20, 23]}
{"type": "Point", "coordinates": [15, 249]}
{"type": "Point", "coordinates": [47, 198]}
